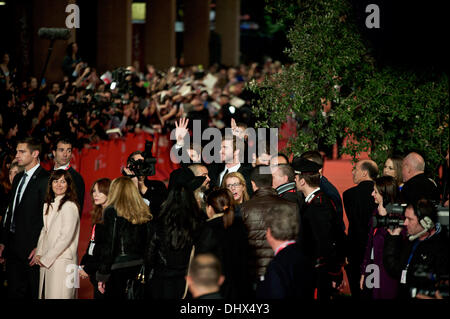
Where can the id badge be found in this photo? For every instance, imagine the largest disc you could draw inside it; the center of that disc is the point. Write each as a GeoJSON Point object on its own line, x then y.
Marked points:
{"type": "Point", "coordinates": [91, 248]}
{"type": "Point", "coordinates": [403, 278]}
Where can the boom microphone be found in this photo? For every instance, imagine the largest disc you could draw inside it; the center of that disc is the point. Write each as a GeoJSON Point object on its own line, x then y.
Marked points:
{"type": "Point", "coordinates": [54, 33]}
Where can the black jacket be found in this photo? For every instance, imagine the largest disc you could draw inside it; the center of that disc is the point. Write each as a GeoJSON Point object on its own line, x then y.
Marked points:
{"type": "Point", "coordinates": [28, 215]}
{"type": "Point", "coordinates": [331, 191]}
{"type": "Point", "coordinates": [419, 186]}
{"type": "Point", "coordinates": [430, 257]}
{"type": "Point", "coordinates": [156, 193]}
{"type": "Point", "coordinates": [253, 212]}
{"type": "Point", "coordinates": [321, 237]}
{"type": "Point", "coordinates": [359, 205]}
{"type": "Point", "coordinates": [288, 276]}
{"type": "Point", "coordinates": [214, 170]}
{"type": "Point", "coordinates": [114, 250]}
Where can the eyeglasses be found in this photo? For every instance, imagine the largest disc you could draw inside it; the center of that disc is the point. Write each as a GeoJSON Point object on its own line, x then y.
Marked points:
{"type": "Point", "coordinates": [234, 185]}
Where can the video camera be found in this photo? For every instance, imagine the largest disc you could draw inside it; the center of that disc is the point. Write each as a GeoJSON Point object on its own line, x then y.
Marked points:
{"type": "Point", "coordinates": [145, 167]}
{"type": "Point", "coordinates": [427, 283]}
{"type": "Point", "coordinates": [395, 216]}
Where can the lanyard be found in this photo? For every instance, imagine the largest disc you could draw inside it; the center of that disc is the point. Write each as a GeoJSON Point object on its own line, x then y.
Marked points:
{"type": "Point", "coordinates": [284, 245]}
{"type": "Point", "coordinates": [93, 233]}
{"type": "Point", "coordinates": [412, 252]}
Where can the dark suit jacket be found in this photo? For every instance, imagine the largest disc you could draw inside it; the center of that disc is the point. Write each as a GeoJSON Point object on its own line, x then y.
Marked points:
{"type": "Point", "coordinates": [289, 275]}
{"type": "Point", "coordinates": [419, 186]}
{"type": "Point", "coordinates": [359, 205]}
{"type": "Point", "coordinates": [333, 194]}
{"type": "Point", "coordinates": [79, 184]}
{"type": "Point", "coordinates": [214, 170]}
{"type": "Point", "coordinates": [28, 216]}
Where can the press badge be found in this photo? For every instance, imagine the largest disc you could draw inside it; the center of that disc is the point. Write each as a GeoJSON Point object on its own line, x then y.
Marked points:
{"type": "Point", "coordinates": [403, 278]}
{"type": "Point", "coordinates": [91, 248]}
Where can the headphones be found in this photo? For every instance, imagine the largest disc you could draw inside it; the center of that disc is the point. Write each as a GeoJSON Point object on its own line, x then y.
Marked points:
{"type": "Point", "coordinates": [424, 221]}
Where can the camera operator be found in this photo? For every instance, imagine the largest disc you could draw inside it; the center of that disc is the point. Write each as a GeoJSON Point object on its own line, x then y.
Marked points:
{"type": "Point", "coordinates": [152, 190]}
{"type": "Point", "coordinates": [423, 261]}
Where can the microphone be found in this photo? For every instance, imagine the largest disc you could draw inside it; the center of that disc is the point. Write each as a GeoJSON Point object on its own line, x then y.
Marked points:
{"type": "Point", "coordinates": [54, 33]}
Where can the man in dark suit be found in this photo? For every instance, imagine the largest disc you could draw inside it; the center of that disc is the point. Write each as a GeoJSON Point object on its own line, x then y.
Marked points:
{"type": "Point", "coordinates": [321, 237]}
{"type": "Point", "coordinates": [417, 184]}
{"type": "Point", "coordinates": [230, 162]}
{"type": "Point", "coordinates": [290, 273]}
{"type": "Point", "coordinates": [283, 181]}
{"type": "Point", "coordinates": [62, 155]}
{"type": "Point", "coordinates": [325, 185]}
{"type": "Point", "coordinates": [359, 205]}
{"type": "Point", "coordinates": [23, 223]}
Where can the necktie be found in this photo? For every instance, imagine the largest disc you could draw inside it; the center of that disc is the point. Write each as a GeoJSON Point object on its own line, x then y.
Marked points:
{"type": "Point", "coordinates": [19, 192]}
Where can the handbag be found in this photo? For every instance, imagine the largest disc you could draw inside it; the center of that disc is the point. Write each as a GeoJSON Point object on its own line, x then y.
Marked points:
{"type": "Point", "coordinates": [135, 289]}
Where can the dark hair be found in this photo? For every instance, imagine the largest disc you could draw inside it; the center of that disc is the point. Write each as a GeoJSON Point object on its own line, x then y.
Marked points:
{"type": "Point", "coordinates": [424, 208]}
{"type": "Point", "coordinates": [181, 217]}
{"type": "Point", "coordinates": [221, 201]}
{"type": "Point", "coordinates": [282, 155]}
{"type": "Point", "coordinates": [288, 171]}
{"type": "Point", "coordinates": [370, 168]}
{"type": "Point", "coordinates": [97, 210]}
{"type": "Point", "coordinates": [397, 162]}
{"type": "Point", "coordinates": [388, 189]}
{"type": "Point", "coordinates": [132, 155]}
{"type": "Point", "coordinates": [70, 194]}
{"type": "Point", "coordinates": [32, 144]}
{"type": "Point", "coordinates": [283, 222]}
{"type": "Point", "coordinates": [63, 140]}
{"type": "Point", "coordinates": [261, 180]}
{"type": "Point", "coordinates": [312, 179]}
{"type": "Point", "coordinates": [313, 156]}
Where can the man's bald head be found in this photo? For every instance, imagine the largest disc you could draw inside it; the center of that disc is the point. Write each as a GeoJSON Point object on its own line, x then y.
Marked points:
{"type": "Point", "coordinates": [413, 164]}
{"type": "Point", "coordinates": [365, 170]}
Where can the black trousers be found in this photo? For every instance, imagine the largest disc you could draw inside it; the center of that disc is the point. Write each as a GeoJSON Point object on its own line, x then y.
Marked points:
{"type": "Point", "coordinates": [23, 280]}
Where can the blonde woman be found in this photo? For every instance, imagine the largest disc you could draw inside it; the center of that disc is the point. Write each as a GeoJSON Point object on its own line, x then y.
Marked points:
{"type": "Point", "coordinates": [58, 242]}
{"type": "Point", "coordinates": [121, 244]}
{"type": "Point", "coordinates": [235, 183]}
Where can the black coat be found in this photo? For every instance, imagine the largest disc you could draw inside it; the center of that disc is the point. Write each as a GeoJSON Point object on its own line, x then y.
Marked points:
{"type": "Point", "coordinates": [170, 266]}
{"type": "Point", "coordinates": [432, 255]}
{"type": "Point", "coordinates": [28, 215]}
{"type": "Point", "coordinates": [359, 205]}
{"type": "Point", "coordinates": [288, 276]}
{"type": "Point", "coordinates": [419, 186]}
{"type": "Point", "coordinates": [331, 191]}
{"type": "Point", "coordinates": [321, 237]}
{"type": "Point", "coordinates": [114, 250]}
{"type": "Point", "coordinates": [156, 193]}
{"type": "Point", "coordinates": [233, 255]}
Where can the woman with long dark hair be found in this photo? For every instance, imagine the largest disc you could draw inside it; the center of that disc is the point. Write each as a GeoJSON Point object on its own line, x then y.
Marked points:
{"type": "Point", "coordinates": [385, 192]}
{"type": "Point", "coordinates": [89, 265]}
{"type": "Point", "coordinates": [121, 244]}
{"type": "Point", "coordinates": [58, 242]}
{"type": "Point", "coordinates": [180, 232]}
{"type": "Point", "coordinates": [232, 238]}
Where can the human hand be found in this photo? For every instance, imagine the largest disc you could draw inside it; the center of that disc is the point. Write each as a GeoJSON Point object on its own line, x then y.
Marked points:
{"type": "Point", "coordinates": [82, 273]}
{"type": "Point", "coordinates": [361, 282]}
{"type": "Point", "coordinates": [381, 210]}
{"type": "Point", "coordinates": [395, 232]}
{"type": "Point", "coordinates": [181, 130]}
{"type": "Point", "coordinates": [32, 258]}
{"type": "Point", "coordinates": [101, 287]}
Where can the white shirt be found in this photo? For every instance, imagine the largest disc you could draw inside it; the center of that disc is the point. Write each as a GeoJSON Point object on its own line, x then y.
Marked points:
{"type": "Point", "coordinates": [311, 195]}
{"type": "Point", "coordinates": [233, 169]}
{"type": "Point", "coordinates": [64, 167]}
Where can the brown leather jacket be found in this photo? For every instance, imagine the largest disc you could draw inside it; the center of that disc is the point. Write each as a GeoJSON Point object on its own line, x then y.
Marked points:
{"type": "Point", "coordinates": [253, 216]}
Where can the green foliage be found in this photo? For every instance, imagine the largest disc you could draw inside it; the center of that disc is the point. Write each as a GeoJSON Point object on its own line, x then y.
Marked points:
{"type": "Point", "coordinates": [385, 111]}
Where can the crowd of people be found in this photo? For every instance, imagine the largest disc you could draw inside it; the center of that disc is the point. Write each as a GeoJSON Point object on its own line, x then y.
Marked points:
{"type": "Point", "coordinates": [270, 226]}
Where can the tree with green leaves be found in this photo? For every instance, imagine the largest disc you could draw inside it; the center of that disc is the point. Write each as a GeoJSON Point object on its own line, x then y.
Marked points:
{"type": "Point", "coordinates": [335, 89]}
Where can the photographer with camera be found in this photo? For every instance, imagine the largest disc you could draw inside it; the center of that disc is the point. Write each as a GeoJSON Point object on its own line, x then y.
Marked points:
{"type": "Point", "coordinates": [422, 263]}
{"type": "Point", "coordinates": [140, 165]}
